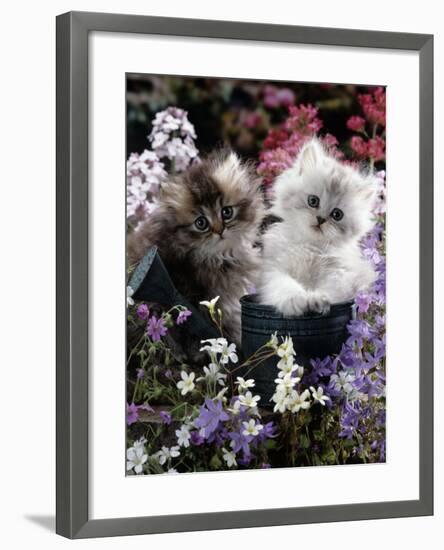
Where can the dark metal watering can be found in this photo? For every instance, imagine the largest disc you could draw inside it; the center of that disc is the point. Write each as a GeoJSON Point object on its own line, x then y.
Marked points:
{"type": "Point", "coordinates": [152, 283]}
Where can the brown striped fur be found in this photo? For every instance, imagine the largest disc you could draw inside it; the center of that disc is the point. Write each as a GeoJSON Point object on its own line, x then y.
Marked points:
{"type": "Point", "coordinates": [221, 261]}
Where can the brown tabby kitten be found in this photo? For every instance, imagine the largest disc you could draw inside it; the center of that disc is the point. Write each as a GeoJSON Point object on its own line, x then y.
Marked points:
{"type": "Point", "coordinates": [205, 227]}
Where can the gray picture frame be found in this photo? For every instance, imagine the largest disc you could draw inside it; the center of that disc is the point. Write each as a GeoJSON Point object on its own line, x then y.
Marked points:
{"type": "Point", "coordinates": [72, 518]}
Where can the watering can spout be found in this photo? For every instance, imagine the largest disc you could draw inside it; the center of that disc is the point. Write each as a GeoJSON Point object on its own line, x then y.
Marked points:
{"type": "Point", "coordinates": [151, 282]}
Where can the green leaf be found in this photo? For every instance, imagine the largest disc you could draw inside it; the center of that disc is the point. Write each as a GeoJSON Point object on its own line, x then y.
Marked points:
{"type": "Point", "coordinates": [304, 441]}
{"type": "Point", "coordinates": [215, 462]}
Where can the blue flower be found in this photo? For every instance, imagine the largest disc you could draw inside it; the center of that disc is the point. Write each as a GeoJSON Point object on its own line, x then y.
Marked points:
{"type": "Point", "coordinates": [210, 415]}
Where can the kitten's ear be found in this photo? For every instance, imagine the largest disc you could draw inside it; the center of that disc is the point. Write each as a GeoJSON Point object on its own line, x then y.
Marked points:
{"type": "Point", "coordinates": [311, 155]}
{"type": "Point", "coordinates": [173, 193]}
{"type": "Point", "coordinates": [368, 190]}
{"type": "Point", "coordinates": [228, 167]}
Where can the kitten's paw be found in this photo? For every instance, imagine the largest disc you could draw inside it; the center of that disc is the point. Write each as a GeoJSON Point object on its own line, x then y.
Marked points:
{"type": "Point", "coordinates": [317, 303]}
{"type": "Point", "coordinates": [292, 306]}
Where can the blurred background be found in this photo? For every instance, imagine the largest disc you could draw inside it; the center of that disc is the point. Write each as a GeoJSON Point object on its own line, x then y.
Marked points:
{"type": "Point", "coordinates": [238, 113]}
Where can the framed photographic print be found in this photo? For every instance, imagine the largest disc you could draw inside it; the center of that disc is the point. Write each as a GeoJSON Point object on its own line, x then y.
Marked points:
{"type": "Point", "coordinates": [244, 275]}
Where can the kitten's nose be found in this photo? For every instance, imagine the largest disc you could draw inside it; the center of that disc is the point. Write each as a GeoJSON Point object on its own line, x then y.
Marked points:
{"type": "Point", "coordinates": [320, 219]}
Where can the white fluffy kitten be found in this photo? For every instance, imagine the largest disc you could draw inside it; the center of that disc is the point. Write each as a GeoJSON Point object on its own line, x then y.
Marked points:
{"type": "Point", "coordinates": [312, 259]}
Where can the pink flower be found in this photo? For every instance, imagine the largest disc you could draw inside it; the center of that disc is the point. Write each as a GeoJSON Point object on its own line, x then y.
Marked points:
{"type": "Point", "coordinates": [331, 143]}
{"type": "Point", "coordinates": [359, 146]}
{"type": "Point", "coordinates": [356, 123]}
{"type": "Point", "coordinates": [278, 97]}
{"type": "Point", "coordinates": [303, 119]}
{"type": "Point", "coordinates": [376, 148]}
{"type": "Point", "coordinates": [273, 163]}
{"type": "Point", "coordinates": [275, 138]}
{"type": "Point", "coordinates": [251, 120]}
{"type": "Point", "coordinates": [373, 105]}
{"type": "Point", "coordinates": [286, 97]}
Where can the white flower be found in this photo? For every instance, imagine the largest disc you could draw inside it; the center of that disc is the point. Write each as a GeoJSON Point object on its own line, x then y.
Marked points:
{"type": "Point", "coordinates": [299, 371]}
{"type": "Point", "coordinates": [280, 398]}
{"type": "Point", "coordinates": [215, 345]}
{"type": "Point", "coordinates": [318, 395]}
{"type": "Point", "coordinates": [165, 454]}
{"type": "Point", "coordinates": [159, 138]}
{"type": "Point", "coordinates": [248, 400]}
{"type": "Point", "coordinates": [228, 354]}
{"type": "Point", "coordinates": [251, 428]}
{"type": "Point", "coordinates": [273, 342]}
{"type": "Point", "coordinates": [139, 442]}
{"type": "Point", "coordinates": [221, 395]}
{"type": "Point", "coordinates": [136, 458]}
{"type": "Point", "coordinates": [297, 402]}
{"type": "Point", "coordinates": [229, 457]}
{"type": "Point", "coordinates": [342, 381]}
{"type": "Point", "coordinates": [129, 293]}
{"type": "Point", "coordinates": [173, 136]}
{"type": "Point", "coordinates": [245, 384]}
{"type": "Point", "coordinates": [210, 305]}
{"type": "Point", "coordinates": [286, 349]}
{"type": "Point", "coordinates": [235, 408]}
{"type": "Point", "coordinates": [286, 383]}
{"type": "Point", "coordinates": [145, 173]}
{"type": "Point", "coordinates": [287, 364]}
{"type": "Point", "coordinates": [213, 374]}
{"type": "Point", "coordinates": [186, 385]}
{"type": "Point", "coordinates": [183, 436]}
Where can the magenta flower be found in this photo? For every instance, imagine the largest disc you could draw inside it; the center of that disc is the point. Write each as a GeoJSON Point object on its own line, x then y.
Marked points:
{"type": "Point", "coordinates": [356, 123]}
{"type": "Point", "coordinates": [252, 120]}
{"type": "Point", "coordinates": [278, 97]}
{"type": "Point", "coordinates": [359, 146]}
{"type": "Point", "coordinates": [132, 414]}
{"type": "Point", "coordinates": [156, 328]}
{"type": "Point", "coordinates": [143, 312]}
{"type": "Point", "coordinates": [183, 316]}
{"type": "Point", "coordinates": [376, 148]}
{"type": "Point", "coordinates": [373, 105]}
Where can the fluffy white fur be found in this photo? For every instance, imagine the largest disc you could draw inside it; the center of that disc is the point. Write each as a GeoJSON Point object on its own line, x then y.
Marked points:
{"type": "Point", "coordinates": [309, 266]}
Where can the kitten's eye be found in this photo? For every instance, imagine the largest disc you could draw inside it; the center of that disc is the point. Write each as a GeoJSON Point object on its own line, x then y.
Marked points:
{"type": "Point", "coordinates": [337, 214]}
{"type": "Point", "coordinates": [227, 213]}
{"type": "Point", "coordinates": [201, 223]}
{"type": "Point", "coordinates": [313, 201]}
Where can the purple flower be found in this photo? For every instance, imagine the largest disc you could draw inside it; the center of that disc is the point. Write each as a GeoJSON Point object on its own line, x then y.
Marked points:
{"type": "Point", "coordinates": [143, 312]}
{"type": "Point", "coordinates": [245, 459]}
{"type": "Point", "coordinates": [166, 418]}
{"type": "Point", "coordinates": [359, 331]}
{"type": "Point", "coordinates": [240, 442]}
{"type": "Point", "coordinates": [267, 432]}
{"type": "Point", "coordinates": [349, 420]}
{"type": "Point", "coordinates": [156, 328]}
{"type": "Point", "coordinates": [196, 438]}
{"type": "Point", "coordinates": [140, 374]}
{"type": "Point", "coordinates": [183, 316]}
{"type": "Point", "coordinates": [210, 415]}
{"type": "Point", "coordinates": [132, 414]}
{"type": "Point", "coordinates": [363, 302]}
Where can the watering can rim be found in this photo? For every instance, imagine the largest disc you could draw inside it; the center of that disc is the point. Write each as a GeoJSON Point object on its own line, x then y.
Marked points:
{"type": "Point", "coordinates": [248, 304]}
